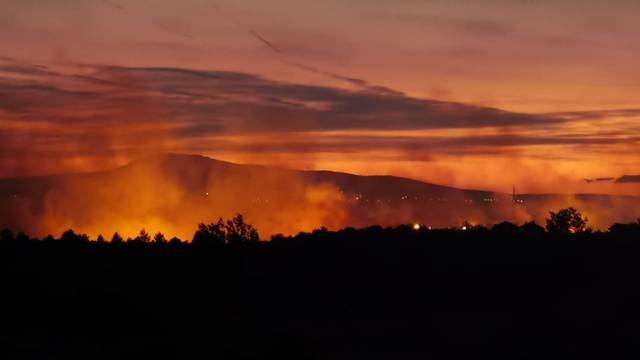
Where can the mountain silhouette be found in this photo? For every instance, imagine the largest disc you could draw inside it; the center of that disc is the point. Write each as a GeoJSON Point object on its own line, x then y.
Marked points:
{"type": "Point", "coordinates": [193, 171]}
{"type": "Point", "coordinates": [170, 188]}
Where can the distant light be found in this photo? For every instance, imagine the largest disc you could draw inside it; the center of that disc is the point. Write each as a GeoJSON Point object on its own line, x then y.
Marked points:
{"type": "Point", "coordinates": [416, 226]}
{"type": "Point", "coordinates": [206, 194]}
{"type": "Point", "coordinates": [464, 227]}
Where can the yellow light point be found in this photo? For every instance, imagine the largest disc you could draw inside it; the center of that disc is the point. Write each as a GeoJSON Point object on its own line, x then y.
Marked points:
{"type": "Point", "coordinates": [416, 226]}
{"type": "Point", "coordinates": [464, 227]}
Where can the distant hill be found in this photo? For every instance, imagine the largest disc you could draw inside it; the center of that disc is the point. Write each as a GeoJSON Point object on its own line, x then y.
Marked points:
{"type": "Point", "coordinates": [194, 173]}
{"type": "Point", "coordinates": [172, 192]}
{"type": "Point", "coordinates": [193, 170]}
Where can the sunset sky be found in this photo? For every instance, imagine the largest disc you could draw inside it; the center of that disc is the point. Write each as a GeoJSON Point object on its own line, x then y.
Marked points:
{"type": "Point", "coordinates": [476, 94]}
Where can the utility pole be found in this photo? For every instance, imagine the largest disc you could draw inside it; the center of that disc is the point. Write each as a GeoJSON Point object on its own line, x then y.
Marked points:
{"type": "Point", "coordinates": [513, 204]}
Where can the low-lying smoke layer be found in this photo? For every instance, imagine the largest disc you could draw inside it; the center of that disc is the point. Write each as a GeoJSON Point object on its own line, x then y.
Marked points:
{"type": "Point", "coordinates": [172, 193]}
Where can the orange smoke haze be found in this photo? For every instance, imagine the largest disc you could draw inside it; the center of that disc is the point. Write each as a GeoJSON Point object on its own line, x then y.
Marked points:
{"type": "Point", "coordinates": [148, 194]}
{"type": "Point", "coordinates": [172, 193]}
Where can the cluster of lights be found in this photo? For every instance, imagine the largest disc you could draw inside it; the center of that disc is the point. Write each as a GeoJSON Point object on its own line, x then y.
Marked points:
{"type": "Point", "coordinates": [417, 227]}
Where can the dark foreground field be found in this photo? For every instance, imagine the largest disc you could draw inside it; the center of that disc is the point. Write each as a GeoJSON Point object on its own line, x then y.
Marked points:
{"type": "Point", "coordinates": [370, 294]}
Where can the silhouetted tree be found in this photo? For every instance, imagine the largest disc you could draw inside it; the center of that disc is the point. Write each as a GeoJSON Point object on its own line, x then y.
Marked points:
{"type": "Point", "coordinates": [143, 236]}
{"type": "Point", "coordinates": [467, 226]}
{"type": "Point", "coordinates": [322, 231]}
{"type": "Point", "coordinates": [71, 236]}
{"type": "Point", "coordinates": [277, 237]}
{"type": "Point", "coordinates": [100, 238]}
{"type": "Point", "coordinates": [49, 238]}
{"type": "Point", "coordinates": [631, 230]}
{"type": "Point", "coordinates": [531, 229]}
{"type": "Point", "coordinates": [68, 235]}
{"type": "Point", "coordinates": [566, 221]}
{"type": "Point", "coordinates": [210, 234]}
{"type": "Point", "coordinates": [159, 238]}
{"type": "Point", "coordinates": [505, 227]}
{"type": "Point", "coordinates": [116, 238]}
{"type": "Point", "coordinates": [238, 231]}
{"type": "Point", "coordinates": [22, 237]}
{"type": "Point", "coordinates": [6, 235]}
{"type": "Point", "coordinates": [174, 241]}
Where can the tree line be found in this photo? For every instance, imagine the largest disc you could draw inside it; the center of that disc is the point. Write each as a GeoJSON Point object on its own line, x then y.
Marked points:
{"type": "Point", "coordinates": [233, 231]}
{"type": "Point", "coordinates": [236, 231]}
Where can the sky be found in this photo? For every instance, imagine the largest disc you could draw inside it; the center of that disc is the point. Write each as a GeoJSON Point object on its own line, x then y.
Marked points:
{"type": "Point", "coordinates": [477, 94]}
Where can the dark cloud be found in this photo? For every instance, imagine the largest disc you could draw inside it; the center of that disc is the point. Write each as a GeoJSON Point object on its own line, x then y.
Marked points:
{"type": "Point", "coordinates": [628, 179]}
{"type": "Point", "coordinates": [480, 145]}
{"type": "Point", "coordinates": [596, 114]}
{"type": "Point", "coordinates": [24, 69]}
{"type": "Point", "coordinates": [37, 99]}
{"type": "Point", "coordinates": [358, 83]}
{"type": "Point", "coordinates": [598, 180]}
{"type": "Point", "coordinates": [102, 108]}
{"type": "Point", "coordinates": [220, 98]}
{"type": "Point", "coordinates": [624, 179]}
